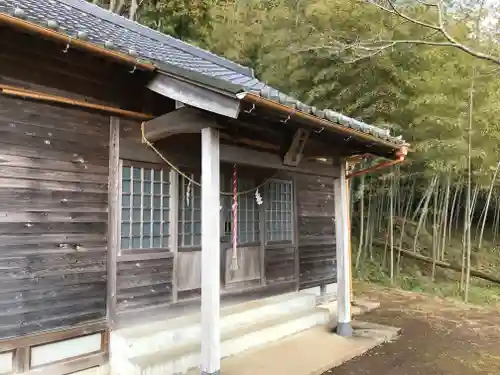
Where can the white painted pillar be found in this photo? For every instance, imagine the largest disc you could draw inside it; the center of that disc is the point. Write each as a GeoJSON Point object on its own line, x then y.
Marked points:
{"type": "Point", "coordinates": [210, 252]}
{"type": "Point", "coordinates": [344, 327]}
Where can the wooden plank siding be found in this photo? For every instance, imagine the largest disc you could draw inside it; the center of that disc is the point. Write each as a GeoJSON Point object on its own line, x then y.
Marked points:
{"type": "Point", "coordinates": [143, 284]}
{"type": "Point", "coordinates": [315, 230]}
{"type": "Point", "coordinates": [279, 263]}
{"type": "Point", "coordinates": [53, 216]}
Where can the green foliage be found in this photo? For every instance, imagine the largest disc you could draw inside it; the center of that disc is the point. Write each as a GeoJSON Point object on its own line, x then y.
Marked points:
{"type": "Point", "coordinates": [184, 19]}
{"type": "Point", "coordinates": [419, 91]}
{"type": "Point", "coordinates": [422, 89]}
{"type": "Point", "coordinates": [189, 20]}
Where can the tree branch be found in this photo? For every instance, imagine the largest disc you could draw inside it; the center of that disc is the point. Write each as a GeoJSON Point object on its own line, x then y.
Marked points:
{"type": "Point", "coordinates": [440, 27]}
{"type": "Point", "coordinates": [426, 3]}
{"type": "Point", "coordinates": [412, 20]}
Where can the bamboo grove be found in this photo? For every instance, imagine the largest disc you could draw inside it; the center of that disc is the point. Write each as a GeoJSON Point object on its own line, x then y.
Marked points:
{"type": "Point", "coordinates": [389, 63]}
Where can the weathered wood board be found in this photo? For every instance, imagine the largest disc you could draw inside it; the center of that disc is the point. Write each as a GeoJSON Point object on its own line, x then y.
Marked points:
{"type": "Point", "coordinates": [316, 230]}
{"type": "Point", "coordinates": [53, 216]}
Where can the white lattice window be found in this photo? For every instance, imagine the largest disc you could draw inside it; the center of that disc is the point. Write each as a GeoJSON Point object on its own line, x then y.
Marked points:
{"type": "Point", "coordinates": [145, 205]}
{"type": "Point", "coordinates": [189, 212]}
{"type": "Point", "coordinates": [247, 213]}
{"type": "Point", "coordinates": [279, 212]}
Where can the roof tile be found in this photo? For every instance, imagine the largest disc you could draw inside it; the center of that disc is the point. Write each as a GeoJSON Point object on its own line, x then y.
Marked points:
{"type": "Point", "coordinates": [81, 19]}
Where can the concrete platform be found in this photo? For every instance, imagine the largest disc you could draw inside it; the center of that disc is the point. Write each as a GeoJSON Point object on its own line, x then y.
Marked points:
{"type": "Point", "coordinates": [310, 352]}
{"type": "Point", "coordinates": [172, 346]}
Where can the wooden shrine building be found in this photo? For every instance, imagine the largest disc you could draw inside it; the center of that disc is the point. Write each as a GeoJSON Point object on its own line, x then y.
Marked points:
{"type": "Point", "coordinates": [142, 177]}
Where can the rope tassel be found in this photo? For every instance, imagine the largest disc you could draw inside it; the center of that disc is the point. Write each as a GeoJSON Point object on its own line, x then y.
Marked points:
{"type": "Point", "coordinates": [234, 259]}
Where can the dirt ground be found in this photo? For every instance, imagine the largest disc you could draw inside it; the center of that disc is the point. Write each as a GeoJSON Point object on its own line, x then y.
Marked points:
{"type": "Point", "coordinates": [439, 337]}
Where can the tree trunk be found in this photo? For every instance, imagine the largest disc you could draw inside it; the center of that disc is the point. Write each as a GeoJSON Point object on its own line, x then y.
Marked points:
{"type": "Point", "coordinates": [372, 227]}
{"type": "Point", "coordinates": [391, 225]}
{"type": "Point", "coordinates": [362, 221]}
{"type": "Point", "coordinates": [434, 233]}
{"type": "Point", "coordinates": [459, 188]}
{"type": "Point", "coordinates": [459, 207]}
{"type": "Point", "coordinates": [454, 267]}
{"type": "Point", "coordinates": [424, 211]}
{"type": "Point", "coordinates": [445, 216]}
{"type": "Point", "coordinates": [469, 216]}
{"type": "Point", "coordinates": [487, 206]}
{"type": "Point", "coordinates": [402, 231]}
{"type": "Point", "coordinates": [134, 6]}
{"type": "Point", "coordinates": [496, 220]}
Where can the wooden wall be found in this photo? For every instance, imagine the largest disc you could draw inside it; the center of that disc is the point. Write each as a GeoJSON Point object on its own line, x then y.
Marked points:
{"type": "Point", "coordinates": [143, 283]}
{"type": "Point", "coordinates": [315, 230]}
{"type": "Point", "coordinates": [279, 263]}
{"type": "Point", "coordinates": [53, 216]}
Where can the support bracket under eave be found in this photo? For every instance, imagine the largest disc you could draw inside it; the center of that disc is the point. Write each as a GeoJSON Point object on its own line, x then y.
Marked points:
{"type": "Point", "coordinates": [195, 95]}
{"type": "Point", "coordinates": [185, 120]}
{"type": "Point", "coordinates": [294, 155]}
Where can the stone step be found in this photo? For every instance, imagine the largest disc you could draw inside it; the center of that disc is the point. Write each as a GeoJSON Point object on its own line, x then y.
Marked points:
{"type": "Point", "coordinates": [154, 337]}
{"type": "Point", "coordinates": [187, 356]}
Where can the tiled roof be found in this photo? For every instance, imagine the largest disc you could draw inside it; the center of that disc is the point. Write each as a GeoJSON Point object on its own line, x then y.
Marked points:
{"type": "Point", "coordinates": [83, 20]}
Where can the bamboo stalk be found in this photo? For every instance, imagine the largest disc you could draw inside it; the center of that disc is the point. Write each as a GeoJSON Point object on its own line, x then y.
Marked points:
{"type": "Point", "coordinates": [469, 212]}
{"type": "Point", "coordinates": [445, 216]}
{"type": "Point", "coordinates": [362, 221]}
{"type": "Point", "coordinates": [487, 206]}
{"type": "Point", "coordinates": [423, 215]}
{"type": "Point", "coordinates": [458, 188]}
{"type": "Point", "coordinates": [391, 226]}
{"type": "Point", "coordinates": [434, 234]}
{"type": "Point", "coordinates": [407, 210]}
{"type": "Point", "coordinates": [496, 220]}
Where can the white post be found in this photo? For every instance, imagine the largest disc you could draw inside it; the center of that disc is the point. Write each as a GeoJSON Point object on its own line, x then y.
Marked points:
{"type": "Point", "coordinates": [344, 327]}
{"type": "Point", "coordinates": [210, 252]}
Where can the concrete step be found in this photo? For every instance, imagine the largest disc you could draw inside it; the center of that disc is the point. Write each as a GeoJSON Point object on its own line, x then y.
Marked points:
{"type": "Point", "coordinates": [149, 338]}
{"type": "Point", "coordinates": [184, 357]}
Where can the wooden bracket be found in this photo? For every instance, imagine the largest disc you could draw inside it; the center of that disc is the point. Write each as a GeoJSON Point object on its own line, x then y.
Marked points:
{"type": "Point", "coordinates": [295, 152]}
{"type": "Point", "coordinates": [180, 121]}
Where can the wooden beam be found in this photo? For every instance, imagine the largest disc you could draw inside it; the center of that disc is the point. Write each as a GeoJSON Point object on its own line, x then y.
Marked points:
{"type": "Point", "coordinates": [254, 143]}
{"type": "Point", "coordinates": [210, 253]}
{"type": "Point", "coordinates": [39, 96]}
{"type": "Point", "coordinates": [344, 327]}
{"type": "Point", "coordinates": [295, 152]}
{"type": "Point", "coordinates": [181, 121]}
{"type": "Point", "coordinates": [195, 96]}
{"type": "Point", "coordinates": [113, 217]}
{"type": "Point", "coordinates": [244, 156]}
{"type": "Point", "coordinates": [51, 336]}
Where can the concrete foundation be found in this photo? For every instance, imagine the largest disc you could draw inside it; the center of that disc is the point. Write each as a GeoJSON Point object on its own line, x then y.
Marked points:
{"type": "Point", "coordinates": [311, 352]}
{"type": "Point", "coordinates": [173, 346]}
